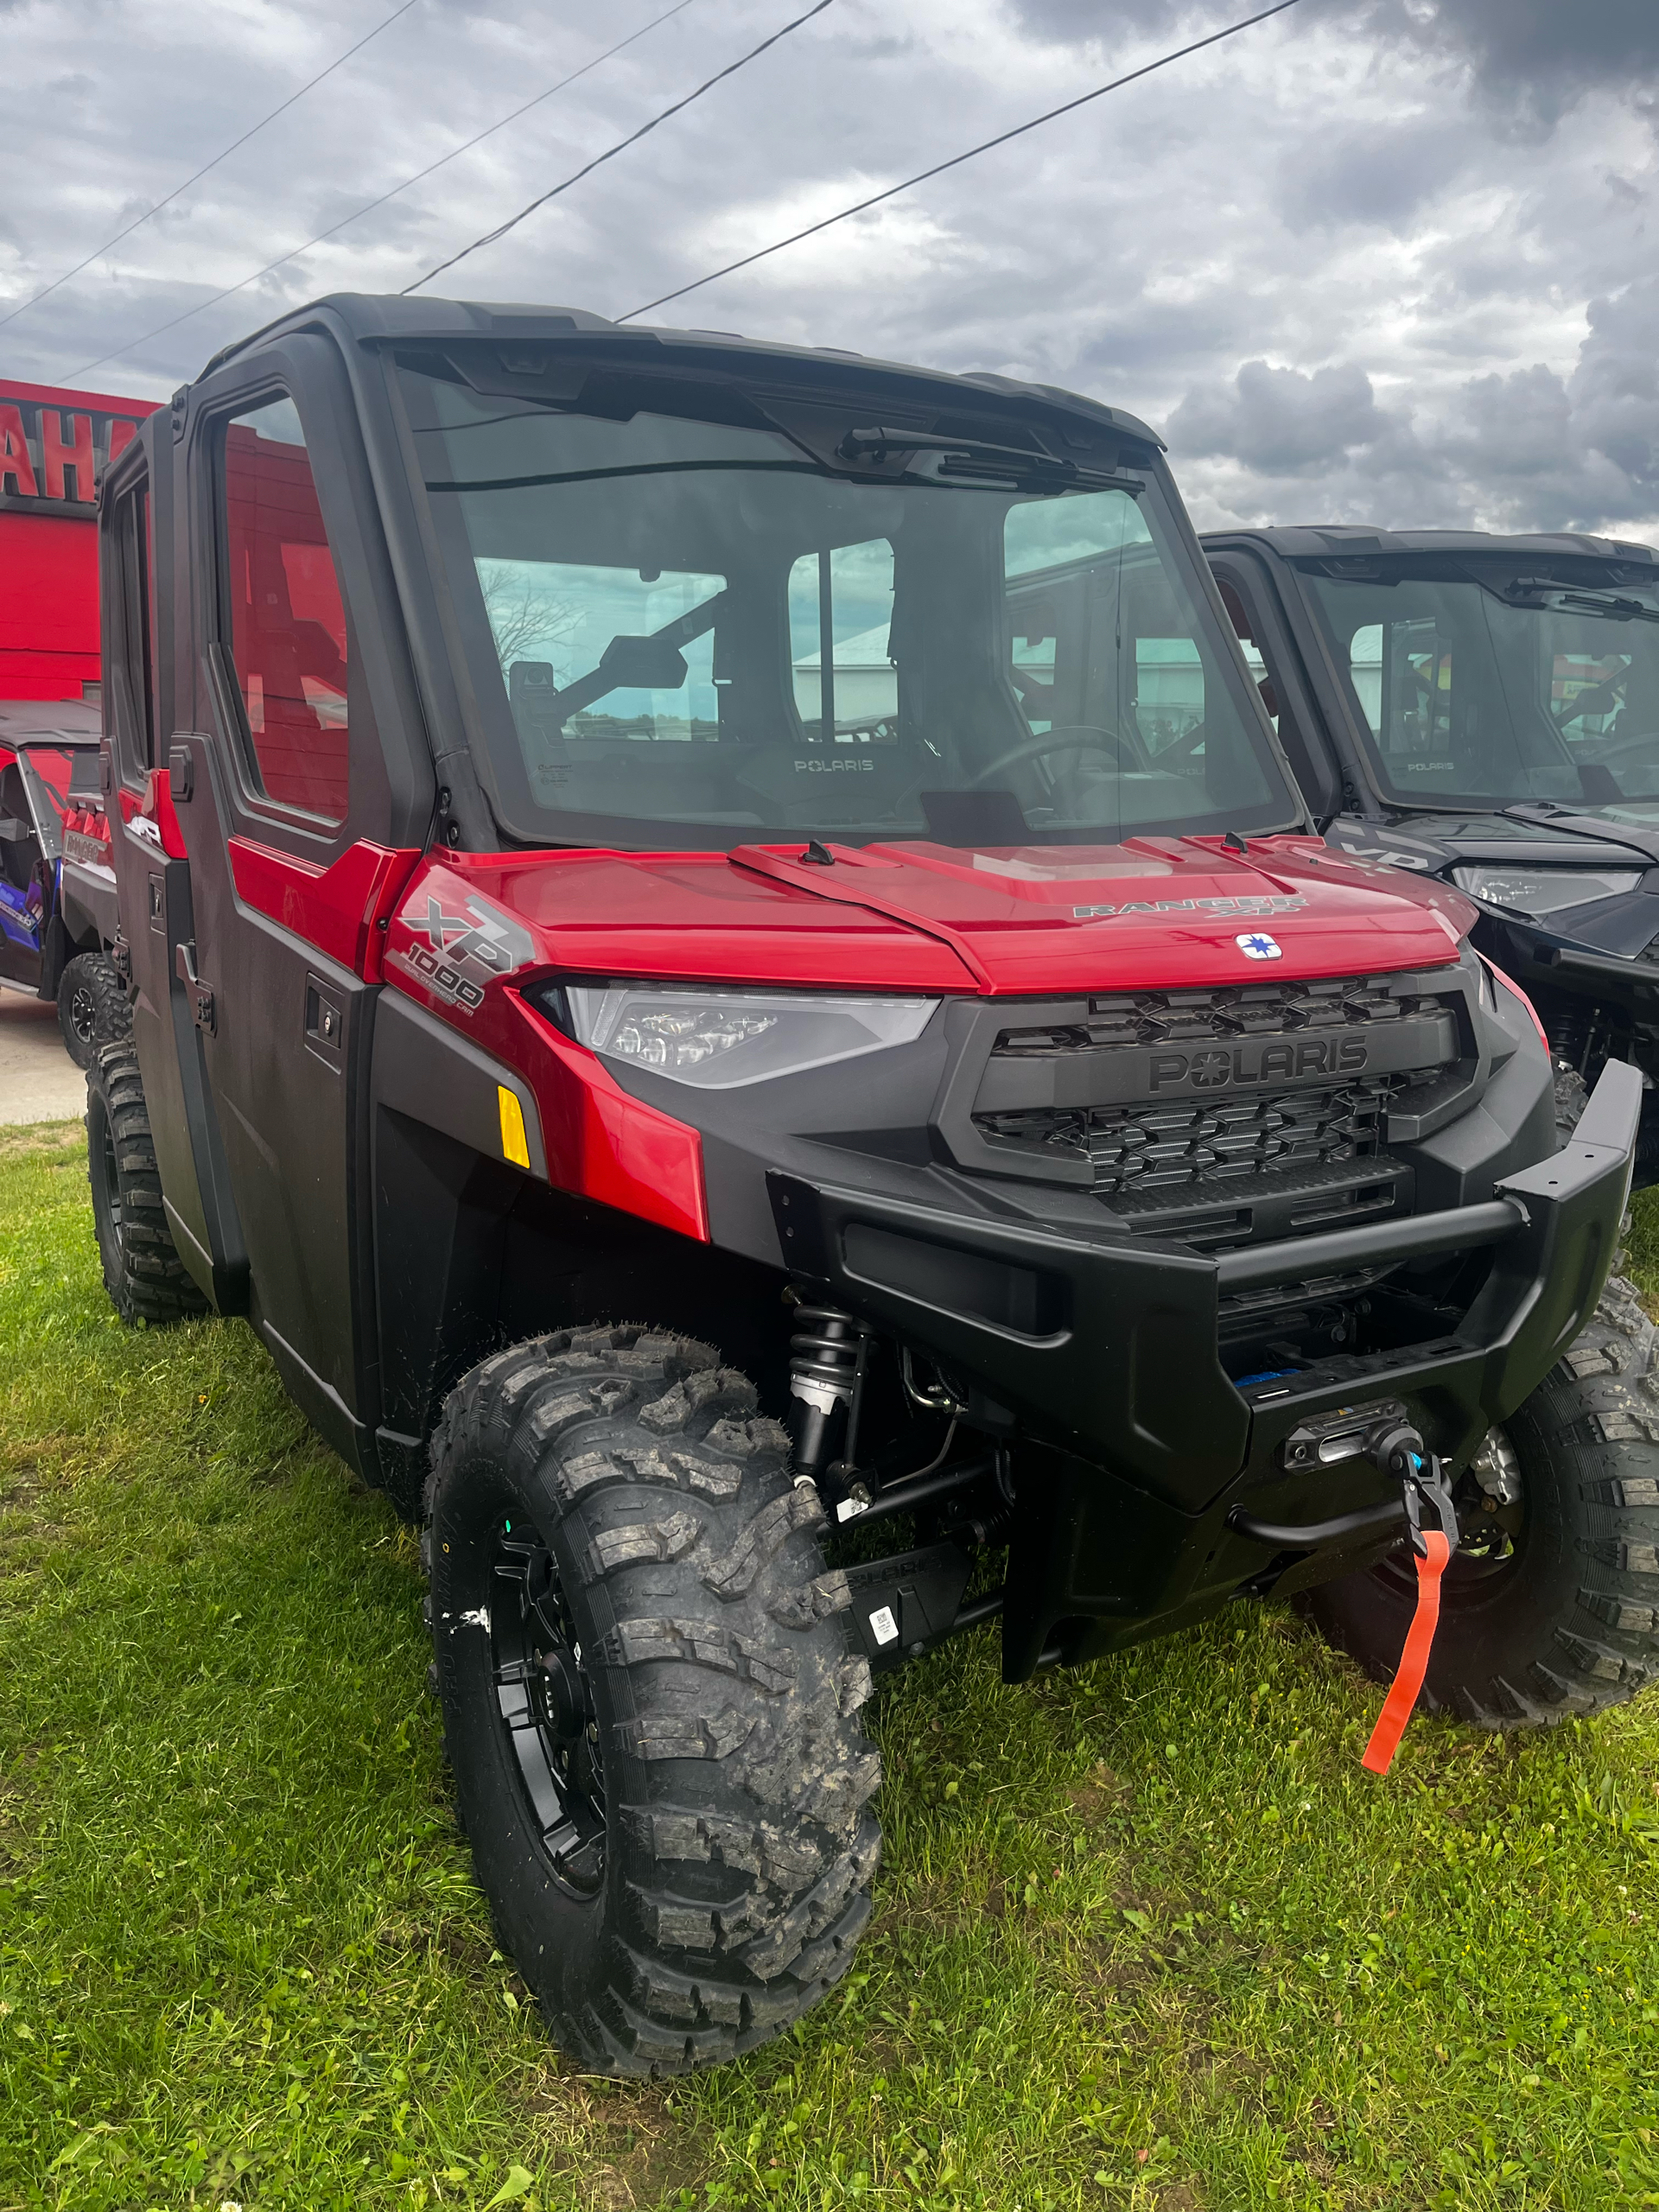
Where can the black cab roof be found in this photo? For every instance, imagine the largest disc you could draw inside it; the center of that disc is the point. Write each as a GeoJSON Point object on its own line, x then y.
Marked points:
{"type": "Point", "coordinates": [1342, 540]}
{"type": "Point", "coordinates": [374, 319]}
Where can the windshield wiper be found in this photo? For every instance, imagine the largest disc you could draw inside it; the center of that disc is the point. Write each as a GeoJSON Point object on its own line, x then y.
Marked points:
{"type": "Point", "coordinates": [978, 457]}
{"type": "Point", "coordinates": [1544, 594]}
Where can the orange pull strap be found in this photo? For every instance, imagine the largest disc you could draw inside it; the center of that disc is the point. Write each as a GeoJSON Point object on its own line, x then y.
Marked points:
{"type": "Point", "coordinates": [1413, 1660]}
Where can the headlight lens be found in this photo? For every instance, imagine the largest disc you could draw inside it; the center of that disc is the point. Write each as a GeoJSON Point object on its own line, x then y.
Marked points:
{"type": "Point", "coordinates": [720, 1039]}
{"type": "Point", "coordinates": [1539, 891]}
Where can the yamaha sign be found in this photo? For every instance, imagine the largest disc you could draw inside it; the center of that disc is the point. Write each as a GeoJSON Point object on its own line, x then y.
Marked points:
{"type": "Point", "coordinates": [53, 455]}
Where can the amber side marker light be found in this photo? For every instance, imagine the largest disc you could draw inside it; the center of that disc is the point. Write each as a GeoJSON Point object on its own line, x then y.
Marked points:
{"type": "Point", "coordinates": [515, 1145]}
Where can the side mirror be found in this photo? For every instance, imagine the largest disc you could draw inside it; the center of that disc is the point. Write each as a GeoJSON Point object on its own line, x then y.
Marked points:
{"type": "Point", "coordinates": [642, 664]}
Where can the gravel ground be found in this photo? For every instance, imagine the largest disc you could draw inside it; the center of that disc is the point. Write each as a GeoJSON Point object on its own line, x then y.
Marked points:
{"type": "Point", "coordinates": [39, 1082]}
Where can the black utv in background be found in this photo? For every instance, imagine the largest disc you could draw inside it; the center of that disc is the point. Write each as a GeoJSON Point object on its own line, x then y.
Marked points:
{"type": "Point", "coordinates": [1484, 709]}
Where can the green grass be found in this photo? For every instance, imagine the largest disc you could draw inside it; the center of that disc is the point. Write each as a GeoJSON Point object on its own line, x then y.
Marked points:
{"type": "Point", "coordinates": [1146, 1937]}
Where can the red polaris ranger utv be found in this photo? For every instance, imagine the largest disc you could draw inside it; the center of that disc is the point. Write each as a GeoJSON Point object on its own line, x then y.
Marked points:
{"type": "Point", "coordinates": [726, 965]}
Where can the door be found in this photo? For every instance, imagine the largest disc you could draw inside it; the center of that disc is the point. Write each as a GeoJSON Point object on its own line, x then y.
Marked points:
{"type": "Point", "coordinates": [282, 796]}
{"type": "Point", "coordinates": [1276, 670]}
{"type": "Point", "coordinates": [153, 879]}
{"type": "Point", "coordinates": [22, 892]}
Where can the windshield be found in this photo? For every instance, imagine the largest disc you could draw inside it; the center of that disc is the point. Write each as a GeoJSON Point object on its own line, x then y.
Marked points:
{"type": "Point", "coordinates": [689, 633]}
{"type": "Point", "coordinates": [1514, 689]}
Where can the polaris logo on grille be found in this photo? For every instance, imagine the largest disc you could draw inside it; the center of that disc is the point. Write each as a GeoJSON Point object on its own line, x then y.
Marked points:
{"type": "Point", "coordinates": [1212, 1067]}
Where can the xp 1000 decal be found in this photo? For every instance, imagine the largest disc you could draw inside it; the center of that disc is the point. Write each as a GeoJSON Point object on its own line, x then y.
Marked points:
{"type": "Point", "coordinates": [457, 942]}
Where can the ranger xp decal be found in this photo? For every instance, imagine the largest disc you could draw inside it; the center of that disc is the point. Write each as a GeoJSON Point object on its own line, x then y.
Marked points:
{"type": "Point", "coordinates": [1269, 903]}
{"type": "Point", "coordinates": [455, 954]}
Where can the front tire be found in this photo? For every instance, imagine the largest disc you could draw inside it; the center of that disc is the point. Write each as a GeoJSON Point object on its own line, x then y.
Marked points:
{"type": "Point", "coordinates": [1568, 1621]}
{"type": "Point", "coordinates": [92, 1008]}
{"type": "Point", "coordinates": [650, 1703]}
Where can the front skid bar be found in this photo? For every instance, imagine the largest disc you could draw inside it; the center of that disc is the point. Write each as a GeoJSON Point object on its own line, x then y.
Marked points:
{"type": "Point", "coordinates": [1105, 1354]}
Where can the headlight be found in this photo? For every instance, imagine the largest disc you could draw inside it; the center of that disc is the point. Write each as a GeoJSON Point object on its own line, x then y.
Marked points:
{"type": "Point", "coordinates": [719, 1040]}
{"type": "Point", "coordinates": [1540, 890]}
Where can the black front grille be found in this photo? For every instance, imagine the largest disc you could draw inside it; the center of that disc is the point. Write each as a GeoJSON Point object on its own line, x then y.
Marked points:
{"type": "Point", "coordinates": [1249, 1110]}
{"type": "Point", "coordinates": [1199, 1148]}
{"type": "Point", "coordinates": [1228, 1011]}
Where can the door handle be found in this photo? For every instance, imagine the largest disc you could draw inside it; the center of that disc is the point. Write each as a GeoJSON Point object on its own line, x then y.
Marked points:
{"type": "Point", "coordinates": [201, 995]}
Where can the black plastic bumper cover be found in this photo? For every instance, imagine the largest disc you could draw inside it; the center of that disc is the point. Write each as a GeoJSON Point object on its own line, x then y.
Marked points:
{"type": "Point", "coordinates": [1107, 1355]}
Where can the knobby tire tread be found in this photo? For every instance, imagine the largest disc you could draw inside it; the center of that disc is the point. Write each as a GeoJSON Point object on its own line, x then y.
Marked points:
{"type": "Point", "coordinates": [1579, 1633]}
{"type": "Point", "coordinates": [741, 1842]}
{"type": "Point", "coordinates": [143, 1273]}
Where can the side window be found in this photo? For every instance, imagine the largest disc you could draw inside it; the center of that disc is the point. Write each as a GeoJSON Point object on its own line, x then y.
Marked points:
{"type": "Point", "coordinates": [1415, 687]}
{"type": "Point", "coordinates": [1365, 672]}
{"type": "Point", "coordinates": [1034, 627]}
{"type": "Point", "coordinates": [1588, 691]}
{"type": "Point", "coordinates": [288, 630]}
{"type": "Point", "coordinates": [1312, 764]}
{"type": "Point", "coordinates": [1168, 691]}
{"type": "Point", "coordinates": [843, 599]}
{"type": "Point", "coordinates": [1243, 624]}
{"type": "Point", "coordinates": [129, 649]}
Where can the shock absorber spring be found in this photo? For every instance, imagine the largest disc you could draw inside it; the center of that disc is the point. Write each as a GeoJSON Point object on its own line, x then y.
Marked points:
{"type": "Point", "coordinates": [826, 1363]}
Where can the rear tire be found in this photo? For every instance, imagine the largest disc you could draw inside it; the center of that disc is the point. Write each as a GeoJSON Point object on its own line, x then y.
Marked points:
{"type": "Point", "coordinates": [92, 1008]}
{"type": "Point", "coordinates": [1569, 1624]}
{"type": "Point", "coordinates": [142, 1272]}
{"type": "Point", "coordinates": [650, 1705]}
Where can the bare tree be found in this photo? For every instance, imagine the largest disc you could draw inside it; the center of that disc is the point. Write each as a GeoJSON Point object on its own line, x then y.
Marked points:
{"type": "Point", "coordinates": [524, 622]}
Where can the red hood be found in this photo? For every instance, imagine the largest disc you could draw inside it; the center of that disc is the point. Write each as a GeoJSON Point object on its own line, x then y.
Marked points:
{"type": "Point", "coordinates": [1152, 912]}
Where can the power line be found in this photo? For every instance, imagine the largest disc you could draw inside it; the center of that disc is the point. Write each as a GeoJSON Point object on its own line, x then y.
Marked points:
{"type": "Point", "coordinates": [622, 145]}
{"type": "Point", "coordinates": [369, 206]}
{"type": "Point", "coordinates": [138, 220]}
{"type": "Point", "coordinates": [957, 160]}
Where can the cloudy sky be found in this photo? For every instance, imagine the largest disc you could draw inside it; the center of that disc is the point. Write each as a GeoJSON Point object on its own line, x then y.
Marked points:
{"type": "Point", "coordinates": [1373, 260]}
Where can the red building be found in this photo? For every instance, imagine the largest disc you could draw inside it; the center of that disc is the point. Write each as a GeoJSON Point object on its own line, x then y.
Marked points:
{"type": "Point", "coordinates": [54, 446]}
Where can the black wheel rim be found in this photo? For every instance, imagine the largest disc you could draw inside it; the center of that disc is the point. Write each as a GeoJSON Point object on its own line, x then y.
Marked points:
{"type": "Point", "coordinates": [546, 1706]}
{"type": "Point", "coordinates": [83, 1014]}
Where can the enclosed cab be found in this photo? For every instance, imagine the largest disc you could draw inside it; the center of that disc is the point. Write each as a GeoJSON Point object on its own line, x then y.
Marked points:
{"type": "Point", "coordinates": [1485, 710]}
{"type": "Point", "coordinates": [727, 967]}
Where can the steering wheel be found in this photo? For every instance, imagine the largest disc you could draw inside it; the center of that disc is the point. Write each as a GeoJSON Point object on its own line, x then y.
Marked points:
{"type": "Point", "coordinates": [1077, 740]}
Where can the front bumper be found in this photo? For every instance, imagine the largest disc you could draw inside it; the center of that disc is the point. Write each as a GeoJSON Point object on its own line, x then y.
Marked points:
{"type": "Point", "coordinates": [1105, 1359]}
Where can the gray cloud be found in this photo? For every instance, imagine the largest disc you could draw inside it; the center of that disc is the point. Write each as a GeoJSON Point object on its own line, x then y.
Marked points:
{"type": "Point", "coordinates": [1379, 175]}
{"type": "Point", "coordinates": [1438, 321]}
{"type": "Point", "coordinates": [1078, 21]}
{"type": "Point", "coordinates": [1531, 61]}
{"type": "Point", "coordinates": [1615, 393]}
{"type": "Point", "coordinates": [1523, 449]}
{"type": "Point", "coordinates": [1527, 62]}
{"type": "Point", "coordinates": [1280, 422]}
